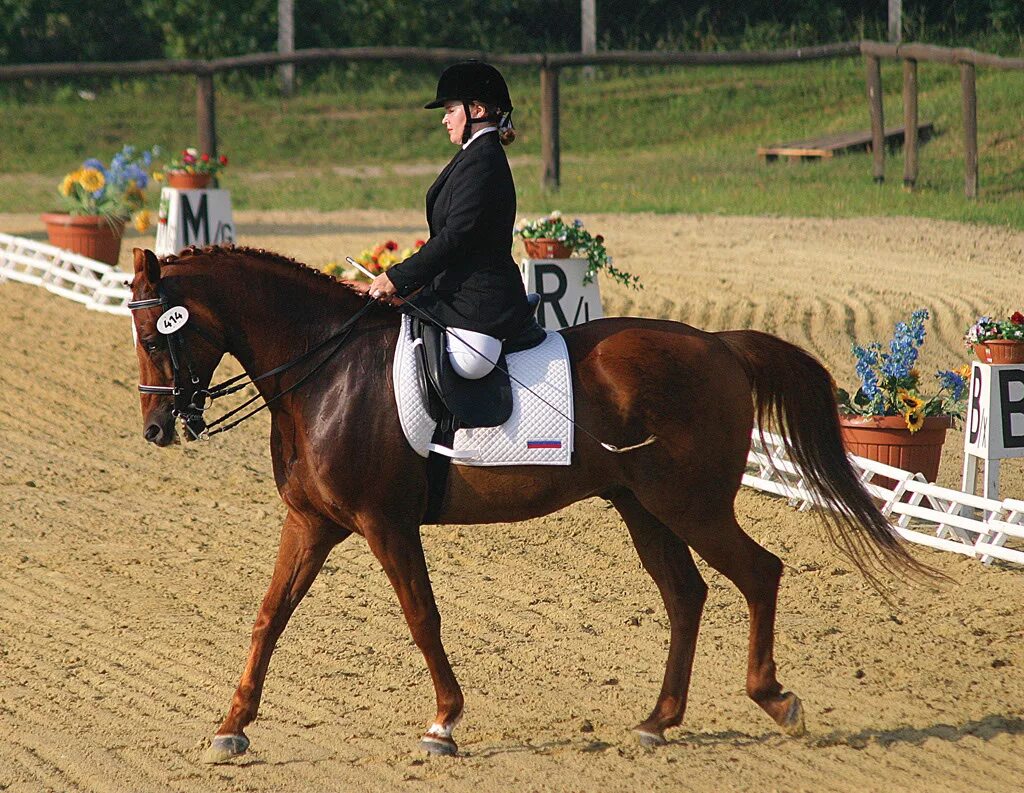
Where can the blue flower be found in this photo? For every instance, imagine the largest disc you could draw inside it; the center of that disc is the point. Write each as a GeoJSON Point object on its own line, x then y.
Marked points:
{"type": "Point", "coordinates": [92, 162]}
{"type": "Point", "coordinates": [867, 360]}
{"type": "Point", "coordinates": [952, 382]}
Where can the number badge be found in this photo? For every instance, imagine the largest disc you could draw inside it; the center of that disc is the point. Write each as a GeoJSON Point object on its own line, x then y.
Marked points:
{"type": "Point", "coordinates": [172, 319]}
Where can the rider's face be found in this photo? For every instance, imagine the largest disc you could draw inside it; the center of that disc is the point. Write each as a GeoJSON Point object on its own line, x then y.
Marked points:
{"type": "Point", "coordinates": [454, 121]}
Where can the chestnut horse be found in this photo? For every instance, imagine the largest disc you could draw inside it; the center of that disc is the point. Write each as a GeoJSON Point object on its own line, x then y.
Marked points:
{"type": "Point", "coordinates": [697, 393]}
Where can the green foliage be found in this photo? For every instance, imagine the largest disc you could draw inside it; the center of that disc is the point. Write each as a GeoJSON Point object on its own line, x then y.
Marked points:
{"type": "Point", "coordinates": [201, 29]}
{"type": "Point", "coordinates": [40, 30]}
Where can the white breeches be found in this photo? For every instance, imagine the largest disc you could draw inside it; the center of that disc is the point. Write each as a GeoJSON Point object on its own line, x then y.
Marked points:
{"type": "Point", "coordinates": [472, 354]}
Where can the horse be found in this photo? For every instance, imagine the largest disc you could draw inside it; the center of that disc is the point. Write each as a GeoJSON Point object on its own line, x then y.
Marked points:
{"type": "Point", "coordinates": [694, 395]}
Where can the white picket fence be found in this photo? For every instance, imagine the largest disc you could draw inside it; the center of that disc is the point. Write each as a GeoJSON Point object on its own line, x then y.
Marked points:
{"type": "Point", "coordinates": [920, 511]}
{"type": "Point", "coordinates": [98, 286]}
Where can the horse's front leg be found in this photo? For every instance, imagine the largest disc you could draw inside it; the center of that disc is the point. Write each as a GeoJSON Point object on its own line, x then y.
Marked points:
{"type": "Point", "coordinates": [399, 550]}
{"type": "Point", "coordinates": [305, 543]}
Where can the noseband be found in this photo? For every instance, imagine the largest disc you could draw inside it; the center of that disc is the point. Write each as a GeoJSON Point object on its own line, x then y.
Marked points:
{"type": "Point", "coordinates": [190, 401]}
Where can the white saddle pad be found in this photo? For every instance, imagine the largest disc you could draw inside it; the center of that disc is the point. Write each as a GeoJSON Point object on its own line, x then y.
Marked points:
{"type": "Point", "coordinates": [536, 434]}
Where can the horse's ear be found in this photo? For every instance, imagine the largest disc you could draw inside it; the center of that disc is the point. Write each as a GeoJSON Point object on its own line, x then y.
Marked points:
{"type": "Point", "coordinates": [147, 265]}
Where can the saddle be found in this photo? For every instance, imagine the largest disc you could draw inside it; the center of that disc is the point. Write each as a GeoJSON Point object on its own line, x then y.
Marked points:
{"type": "Point", "coordinates": [456, 402]}
{"type": "Point", "coordinates": [486, 402]}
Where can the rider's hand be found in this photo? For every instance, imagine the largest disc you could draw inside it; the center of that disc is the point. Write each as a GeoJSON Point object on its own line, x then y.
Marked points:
{"type": "Point", "coordinates": [381, 287]}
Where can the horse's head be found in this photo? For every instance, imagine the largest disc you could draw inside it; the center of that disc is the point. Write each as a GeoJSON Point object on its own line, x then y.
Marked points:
{"type": "Point", "coordinates": [176, 344]}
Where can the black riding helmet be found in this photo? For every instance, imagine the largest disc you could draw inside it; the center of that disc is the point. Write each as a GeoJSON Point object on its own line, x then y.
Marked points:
{"type": "Point", "coordinates": [467, 81]}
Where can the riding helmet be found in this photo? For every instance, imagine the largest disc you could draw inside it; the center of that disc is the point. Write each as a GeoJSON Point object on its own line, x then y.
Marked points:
{"type": "Point", "coordinates": [472, 80]}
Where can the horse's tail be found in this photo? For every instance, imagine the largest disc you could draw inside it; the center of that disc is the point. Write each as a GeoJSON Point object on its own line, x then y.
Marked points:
{"type": "Point", "coordinates": [795, 395]}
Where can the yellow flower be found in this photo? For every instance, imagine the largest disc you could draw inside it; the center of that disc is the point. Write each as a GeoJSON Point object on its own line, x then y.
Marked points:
{"type": "Point", "coordinates": [910, 402]}
{"type": "Point", "coordinates": [69, 182]}
{"type": "Point", "coordinates": [965, 371]}
{"type": "Point", "coordinates": [158, 176]}
{"type": "Point", "coordinates": [915, 420]}
{"type": "Point", "coordinates": [91, 179]}
{"type": "Point", "coordinates": [142, 220]}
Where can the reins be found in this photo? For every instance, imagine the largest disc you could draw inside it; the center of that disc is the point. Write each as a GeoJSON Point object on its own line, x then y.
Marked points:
{"type": "Point", "coordinates": [190, 412]}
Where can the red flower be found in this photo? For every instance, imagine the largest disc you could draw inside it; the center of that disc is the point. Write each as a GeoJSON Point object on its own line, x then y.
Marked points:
{"type": "Point", "coordinates": [205, 158]}
{"type": "Point", "coordinates": [223, 160]}
{"type": "Point", "coordinates": [1017, 318]}
{"type": "Point", "coordinates": [391, 245]}
{"type": "Point", "coordinates": [188, 158]}
{"type": "Point", "coordinates": [419, 243]}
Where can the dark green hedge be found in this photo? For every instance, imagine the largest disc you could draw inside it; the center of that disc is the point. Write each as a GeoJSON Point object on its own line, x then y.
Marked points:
{"type": "Point", "coordinates": [84, 30]}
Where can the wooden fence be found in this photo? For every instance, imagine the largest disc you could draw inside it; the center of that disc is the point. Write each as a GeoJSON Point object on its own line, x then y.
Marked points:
{"type": "Point", "coordinates": [550, 66]}
{"type": "Point", "coordinates": [910, 54]}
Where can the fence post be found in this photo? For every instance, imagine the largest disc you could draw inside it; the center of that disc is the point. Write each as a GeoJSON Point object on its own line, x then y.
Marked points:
{"type": "Point", "coordinates": [970, 110]}
{"type": "Point", "coordinates": [551, 178]}
{"type": "Point", "coordinates": [873, 68]}
{"type": "Point", "coordinates": [206, 115]}
{"type": "Point", "coordinates": [909, 123]}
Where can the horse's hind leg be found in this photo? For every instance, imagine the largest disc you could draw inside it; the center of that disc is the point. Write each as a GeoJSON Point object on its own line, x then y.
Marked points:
{"type": "Point", "coordinates": [302, 552]}
{"type": "Point", "coordinates": [668, 561]}
{"type": "Point", "coordinates": [756, 572]}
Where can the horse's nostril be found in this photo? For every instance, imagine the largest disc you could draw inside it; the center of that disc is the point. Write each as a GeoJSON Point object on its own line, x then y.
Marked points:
{"type": "Point", "coordinates": [153, 433]}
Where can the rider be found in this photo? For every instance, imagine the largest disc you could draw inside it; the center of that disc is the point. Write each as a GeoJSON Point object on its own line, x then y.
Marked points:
{"type": "Point", "coordinates": [470, 283]}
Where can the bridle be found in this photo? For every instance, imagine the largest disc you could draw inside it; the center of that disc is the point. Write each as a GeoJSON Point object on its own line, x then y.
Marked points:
{"type": "Point", "coordinates": [190, 401]}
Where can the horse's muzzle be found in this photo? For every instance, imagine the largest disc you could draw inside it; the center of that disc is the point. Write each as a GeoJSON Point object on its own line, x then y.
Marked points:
{"type": "Point", "coordinates": [160, 428]}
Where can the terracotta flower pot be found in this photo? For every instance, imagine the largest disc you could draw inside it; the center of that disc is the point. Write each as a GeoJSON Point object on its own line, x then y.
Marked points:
{"type": "Point", "coordinates": [545, 248]}
{"type": "Point", "coordinates": [182, 180]}
{"type": "Point", "coordinates": [1000, 351]}
{"type": "Point", "coordinates": [887, 440]}
{"type": "Point", "coordinates": [94, 236]}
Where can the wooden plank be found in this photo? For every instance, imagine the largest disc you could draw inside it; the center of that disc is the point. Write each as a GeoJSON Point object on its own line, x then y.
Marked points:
{"type": "Point", "coordinates": [206, 115]}
{"type": "Point", "coordinates": [910, 122]}
{"type": "Point", "coordinates": [831, 145]}
{"type": "Point", "coordinates": [549, 143]}
{"type": "Point", "coordinates": [873, 70]}
{"type": "Point", "coordinates": [970, 110]}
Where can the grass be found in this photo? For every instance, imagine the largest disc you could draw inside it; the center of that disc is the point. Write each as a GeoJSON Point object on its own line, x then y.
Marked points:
{"type": "Point", "coordinates": [659, 140]}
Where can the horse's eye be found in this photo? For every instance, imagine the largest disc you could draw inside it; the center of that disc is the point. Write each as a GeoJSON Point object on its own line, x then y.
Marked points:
{"type": "Point", "coordinates": [151, 345]}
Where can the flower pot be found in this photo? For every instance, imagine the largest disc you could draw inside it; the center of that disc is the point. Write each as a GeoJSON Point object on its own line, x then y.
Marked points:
{"type": "Point", "coordinates": [182, 180]}
{"type": "Point", "coordinates": [1000, 351]}
{"type": "Point", "coordinates": [544, 248]}
{"type": "Point", "coordinates": [94, 236]}
{"type": "Point", "coordinates": [887, 440]}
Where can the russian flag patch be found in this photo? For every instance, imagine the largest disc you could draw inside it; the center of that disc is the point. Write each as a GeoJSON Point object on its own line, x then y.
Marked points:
{"type": "Point", "coordinates": [543, 444]}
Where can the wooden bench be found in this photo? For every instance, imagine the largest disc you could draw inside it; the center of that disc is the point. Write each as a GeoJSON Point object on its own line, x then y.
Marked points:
{"type": "Point", "coordinates": [831, 145]}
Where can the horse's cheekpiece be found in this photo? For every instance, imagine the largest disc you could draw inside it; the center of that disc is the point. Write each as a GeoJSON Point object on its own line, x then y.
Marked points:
{"type": "Point", "coordinates": [190, 401]}
{"type": "Point", "coordinates": [535, 434]}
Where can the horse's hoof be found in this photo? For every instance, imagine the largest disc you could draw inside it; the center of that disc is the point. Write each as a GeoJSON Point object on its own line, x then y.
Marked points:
{"type": "Point", "coordinates": [225, 747]}
{"type": "Point", "coordinates": [438, 745]}
{"type": "Point", "coordinates": [649, 739]}
{"type": "Point", "coordinates": [793, 722]}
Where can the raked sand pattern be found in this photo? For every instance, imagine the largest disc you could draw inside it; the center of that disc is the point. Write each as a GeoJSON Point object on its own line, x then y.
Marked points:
{"type": "Point", "coordinates": [129, 575]}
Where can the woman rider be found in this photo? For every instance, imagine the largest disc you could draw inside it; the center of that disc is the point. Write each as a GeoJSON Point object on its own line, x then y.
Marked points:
{"type": "Point", "coordinates": [467, 278]}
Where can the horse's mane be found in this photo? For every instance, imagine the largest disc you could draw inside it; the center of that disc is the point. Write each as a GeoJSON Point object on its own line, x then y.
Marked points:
{"type": "Point", "coordinates": [276, 259]}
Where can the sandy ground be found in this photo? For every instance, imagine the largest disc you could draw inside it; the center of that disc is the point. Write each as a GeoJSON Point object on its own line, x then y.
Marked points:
{"type": "Point", "coordinates": [129, 575]}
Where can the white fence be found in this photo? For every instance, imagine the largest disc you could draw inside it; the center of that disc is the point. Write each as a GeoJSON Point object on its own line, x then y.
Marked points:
{"type": "Point", "coordinates": [921, 512]}
{"type": "Point", "coordinates": [98, 286]}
